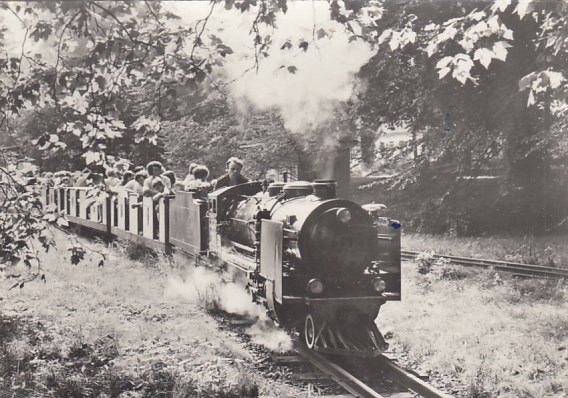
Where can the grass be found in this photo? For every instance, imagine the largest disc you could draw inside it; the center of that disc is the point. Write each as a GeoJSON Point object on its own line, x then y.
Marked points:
{"type": "Point", "coordinates": [126, 328]}
{"type": "Point", "coordinates": [93, 331]}
{"type": "Point", "coordinates": [545, 250]}
{"type": "Point", "coordinates": [480, 334]}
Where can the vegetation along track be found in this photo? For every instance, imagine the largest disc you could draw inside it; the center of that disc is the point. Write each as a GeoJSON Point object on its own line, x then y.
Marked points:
{"type": "Point", "coordinates": [528, 270]}
{"type": "Point", "coordinates": [358, 388]}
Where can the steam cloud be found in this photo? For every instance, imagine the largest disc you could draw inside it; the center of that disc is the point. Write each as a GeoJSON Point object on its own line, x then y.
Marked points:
{"type": "Point", "coordinates": [324, 72]}
{"type": "Point", "coordinates": [203, 287]}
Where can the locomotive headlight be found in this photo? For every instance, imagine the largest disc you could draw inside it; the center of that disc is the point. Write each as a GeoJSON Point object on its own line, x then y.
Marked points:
{"type": "Point", "coordinates": [344, 215]}
{"type": "Point", "coordinates": [315, 286]}
{"type": "Point", "coordinates": [379, 285]}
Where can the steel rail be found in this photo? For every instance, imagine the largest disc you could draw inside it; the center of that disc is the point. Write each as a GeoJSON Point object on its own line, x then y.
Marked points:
{"type": "Point", "coordinates": [350, 383]}
{"type": "Point", "coordinates": [408, 380]}
{"type": "Point", "coordinates": [532, 270]}
{"type": "Point", "coordinates": [356, 387]}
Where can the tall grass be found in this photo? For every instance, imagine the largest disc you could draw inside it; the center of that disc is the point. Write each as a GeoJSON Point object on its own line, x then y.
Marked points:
{"type": "Point", "coordinates": [481, 334]}
{"type": "Point", "coordinates": [93, 331]}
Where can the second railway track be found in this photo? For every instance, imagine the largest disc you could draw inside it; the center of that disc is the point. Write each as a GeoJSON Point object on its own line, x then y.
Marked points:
{"type": "Point", "coordinates": [528, 270]}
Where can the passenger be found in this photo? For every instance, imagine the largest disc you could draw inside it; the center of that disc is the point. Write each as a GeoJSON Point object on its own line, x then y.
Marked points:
{"type": "Point", "coordinates": [199, 185]}
{"type": "Point", "coordinates": [96, 180]}
{"type": "Point", "coordinates": [49, 179]}
{"type": "Point", "coordinates": [137, 184]}
{"type": "Point", "coordinates": [270, 177]}
{"type": "Point", "coordinates": [155, 170]}
{"type": "Point", "coordinates": [121, 167]}
{"type": "Point", "coordinates": [169, 178]}
{"type": "Point", "coordinates": [161, 190]}
{"type": "Point", "coordinates": [189, 177]}
{"type": "Point", "coordinates": [127, 177]}
{"type": "Point", "coordinates": [233, 176]}
{"type": "Point", "coordinates": [65, 182]}
{"type": "Point", "coordinates": [111, 181]}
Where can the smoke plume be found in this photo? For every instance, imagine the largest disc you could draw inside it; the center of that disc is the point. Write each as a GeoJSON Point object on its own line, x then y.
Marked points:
{"type": "Point", "coordinates": [305, 83]}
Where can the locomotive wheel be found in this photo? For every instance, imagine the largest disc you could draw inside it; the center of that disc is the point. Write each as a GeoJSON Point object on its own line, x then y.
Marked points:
{"type": "Point", "coordinates": [312, 326]}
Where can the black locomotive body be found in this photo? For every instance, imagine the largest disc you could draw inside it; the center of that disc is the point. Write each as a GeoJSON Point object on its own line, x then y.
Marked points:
{"type": "Point", "coordinates": [320, 264]}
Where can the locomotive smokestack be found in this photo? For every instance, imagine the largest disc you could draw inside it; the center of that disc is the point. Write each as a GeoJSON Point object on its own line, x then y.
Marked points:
{"type": "Point", "coordinates": [325, 189]}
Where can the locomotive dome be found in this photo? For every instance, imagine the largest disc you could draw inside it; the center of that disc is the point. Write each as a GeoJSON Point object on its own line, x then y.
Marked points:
{"type": "Point", "coordinates": [297, 189]}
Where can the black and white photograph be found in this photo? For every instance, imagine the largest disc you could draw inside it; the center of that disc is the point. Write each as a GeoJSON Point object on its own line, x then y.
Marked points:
{"type": "Point", "coordinates": [284, 198]}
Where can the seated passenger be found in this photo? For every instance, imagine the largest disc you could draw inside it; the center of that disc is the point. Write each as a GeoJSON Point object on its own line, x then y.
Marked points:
{"type": "Point", "coordinates": [169, 178]}
{"type": "Point", "coordinates": [189, 177]}
{"type": "Point", "coordinates": [96, 180]}
{"type": "Point", "coordinates": [127, 177]}
{"type": "Point", "coordinates": [137, 184]}
{"type": "Point", "coordinates": [121, 167]}
{"type": "Point", "coordinates": [160, 189]}
{"type": "Point", "coordinates": [233, 176]}
{"type": "Point", "coordinates": [199, 185]}
{"type": "Point", "coordinates": [65, 181]}
{"type": "Point", "coordinates": [270, 177]}
{"type": "Point", "coordinates": [155, 170]}
{"type": "Point", "coordinates": [111, 181]}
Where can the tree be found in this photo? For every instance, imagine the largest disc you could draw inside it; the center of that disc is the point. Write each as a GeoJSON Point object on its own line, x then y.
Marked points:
{"type": "Point", "coordinates": [474, 119]}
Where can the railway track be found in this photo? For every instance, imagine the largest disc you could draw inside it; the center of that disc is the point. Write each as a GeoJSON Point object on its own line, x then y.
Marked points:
{"type": "Point", "coordinates": [358, 388]}
{"type": "Point", "coordinates": [364, 378]}
{"type": "Point", "coordinates": [527, 270]}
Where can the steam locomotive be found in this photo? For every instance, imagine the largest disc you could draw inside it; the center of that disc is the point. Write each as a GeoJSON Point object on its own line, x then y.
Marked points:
{"type": "Point", "coordinates": [319, 264]}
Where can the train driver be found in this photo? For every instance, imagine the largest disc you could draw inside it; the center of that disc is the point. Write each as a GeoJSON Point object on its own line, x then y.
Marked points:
{"type": "Point", "coordinates": [233, 176]}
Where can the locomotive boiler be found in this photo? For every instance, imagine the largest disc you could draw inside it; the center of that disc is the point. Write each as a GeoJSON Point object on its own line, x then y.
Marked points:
{"type": "Point", "coordinates": [312, 259]}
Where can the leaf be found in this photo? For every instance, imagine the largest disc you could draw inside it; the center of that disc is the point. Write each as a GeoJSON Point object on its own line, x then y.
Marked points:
{"type": "Point", "coordinates": [292, 69]}
{"type": "Point", "coordinates": [62, 222]}
{"type": "Point", "coordinates": [385, 35]}
{"type": "Point", "coordinates": [443, 72]}
{"type": "Point", "coordinates": [443, 62]}
{"type": "Point", "coordinates": [394, 42]}
{"type": "Point", "coordinates": [526, 81]}
{"type": "Point", "coordinates": [500, 5]}
{"type": "Point", "coordinates": [101, 263]}
{"type": "Point", "coordinates": [500, 50]}
{"type": "Point", "coordinates": [531, 99]}
{"type": "Point", "coordinates": [22, 285]}
{"type": "Point", "coordinates": [555, 79]}
{"type": "Point", "coordinates": [321, 33]}
{"type": "Point", "coordinates": [43, 279]}
{"type": "Point", "coordinates": [286, 46]}
{"type": "Point", "coordinates": [224, 50]}
{"type": "Point", "coordinates": [304, 45]}
{"type": "Point", "coordinates": [523, 8]}
{"type": "Point", "coordinates": [91, 157]}
{"type": "Point", "coordinates": [484, 56]}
